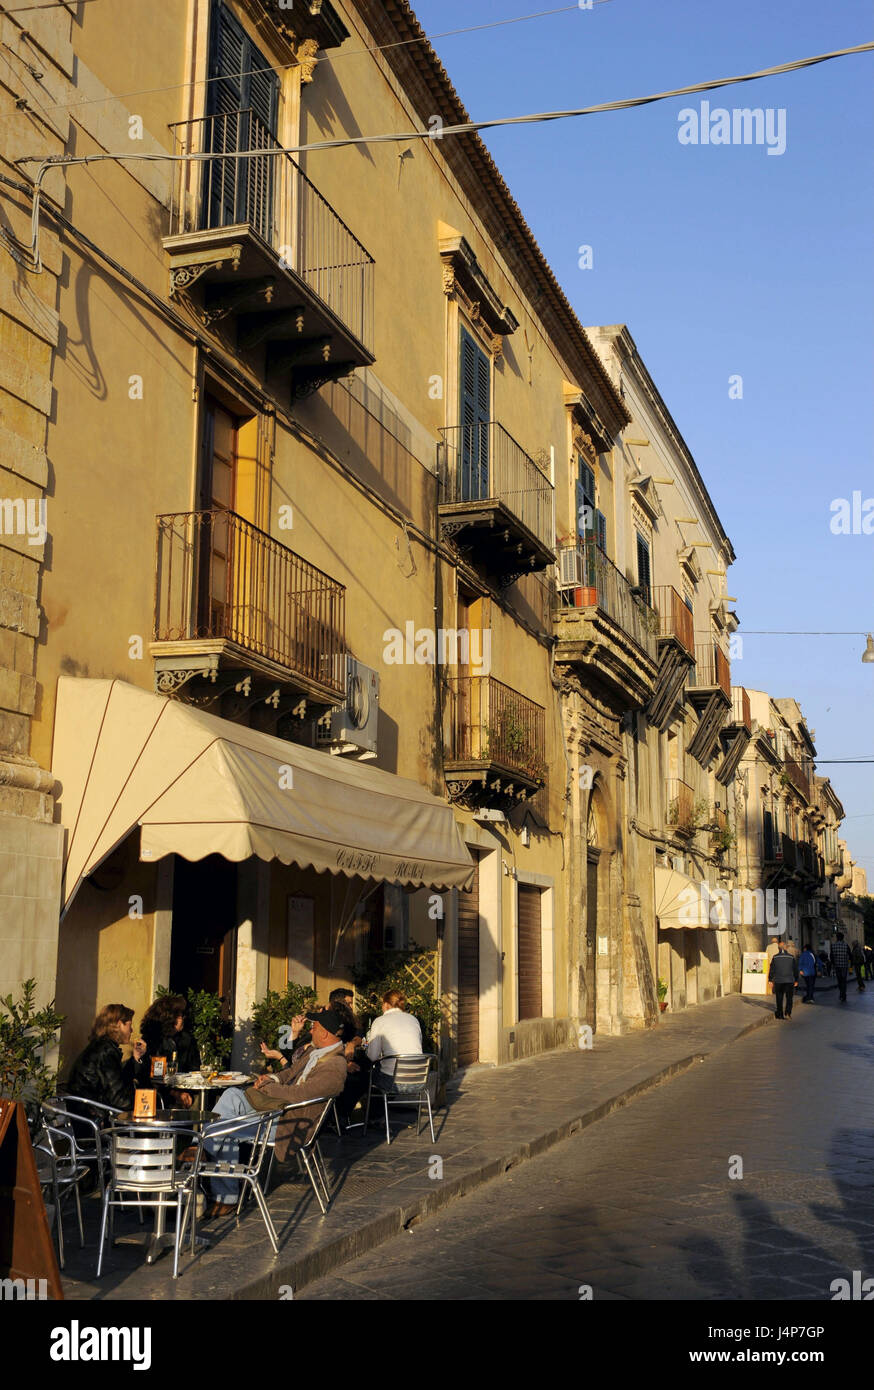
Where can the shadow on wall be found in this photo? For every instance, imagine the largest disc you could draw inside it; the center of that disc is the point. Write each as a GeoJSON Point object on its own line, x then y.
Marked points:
{"type": "Point", "coordinates": [105, 953]}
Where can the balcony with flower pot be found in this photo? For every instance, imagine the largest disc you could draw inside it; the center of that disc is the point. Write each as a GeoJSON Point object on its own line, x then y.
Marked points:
{"type": "Point", "coordinates": [605, 632]}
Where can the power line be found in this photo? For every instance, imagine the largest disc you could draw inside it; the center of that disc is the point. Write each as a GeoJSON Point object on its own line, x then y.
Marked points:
{"type": "Point", "coordinates": [48, 5]}
{"type": "Point", "coordinates": [284, 67]}
{"type": "Point", "coordinates": [535, 118]}
{"type": "Point", "coordinates": [776, 632]}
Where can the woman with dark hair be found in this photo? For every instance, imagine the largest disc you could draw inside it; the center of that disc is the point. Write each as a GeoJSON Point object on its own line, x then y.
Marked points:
{"type": "Point", "coordinates": [99, 1073]}
{"type": "Point", "coordinates": [163, 1029]}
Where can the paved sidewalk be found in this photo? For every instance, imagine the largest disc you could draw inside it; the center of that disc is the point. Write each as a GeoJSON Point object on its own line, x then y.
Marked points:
{"type": "Point", "coordinates": [496, 1118]}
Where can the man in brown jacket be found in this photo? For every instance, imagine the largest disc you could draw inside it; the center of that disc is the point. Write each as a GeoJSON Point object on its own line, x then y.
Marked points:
{"type": "Point", "coordinates": [316, 1070]}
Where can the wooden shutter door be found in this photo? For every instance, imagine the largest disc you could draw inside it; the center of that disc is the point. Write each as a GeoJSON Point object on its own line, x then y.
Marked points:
{"type": "Point", "coordinates": [643, 567]}
{"type": "Point", "coordinates": [530, 957]}
{"type": "Point", "coordinates": [468, 971]}
{"type": "Point", "coordinates": [243, 100]}
{"type": "Point", "coordinates": [475, 396]}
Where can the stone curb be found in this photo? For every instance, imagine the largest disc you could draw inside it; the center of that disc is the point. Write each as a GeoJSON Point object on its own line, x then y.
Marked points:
{"type": "Point", "coordinates": [334, 1254]}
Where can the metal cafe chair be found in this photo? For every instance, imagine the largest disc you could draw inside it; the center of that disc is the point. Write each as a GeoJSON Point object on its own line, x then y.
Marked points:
{"type": "Point", "coordinates": [253, 1130]}
{"type": "Point", "coordinates": [62, 1171]}
{"type": "Point", "coordinates": [309, 1155]}
{"type": "Point", "coordinates": [409, 1087]}
{"type": "Point", "coordinates": [88, 1122]}
{"type": "Point", "coordinates": [145, 1166]}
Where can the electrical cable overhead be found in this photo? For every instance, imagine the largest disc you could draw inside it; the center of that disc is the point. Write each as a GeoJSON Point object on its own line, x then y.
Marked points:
{"type": "Point", "coordinates": [469, 127]}
{"type": "Point", "coordinates": [284, 67]}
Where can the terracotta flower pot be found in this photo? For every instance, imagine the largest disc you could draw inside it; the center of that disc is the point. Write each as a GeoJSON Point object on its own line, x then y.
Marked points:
{"type": "Point", "coordinates": [663, 1004]}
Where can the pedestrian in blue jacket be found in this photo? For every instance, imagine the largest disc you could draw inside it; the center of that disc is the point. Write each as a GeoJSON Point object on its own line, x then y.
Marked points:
{"type": "Point", "coordinates": [807, 967]}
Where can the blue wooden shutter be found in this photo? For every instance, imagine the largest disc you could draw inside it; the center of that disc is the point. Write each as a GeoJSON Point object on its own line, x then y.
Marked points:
{"type": "Point", "coordinates": [601, 531]}
{"type": "Point", "coordinates": [475, 414]}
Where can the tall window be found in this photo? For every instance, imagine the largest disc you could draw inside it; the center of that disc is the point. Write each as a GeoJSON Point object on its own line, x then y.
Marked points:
{"type": "Point", "coordinates": [242, 107]}
{"type": "Point", "coordinates": [644, 574]}
{"type": "Point", "coordinates": [475, 398]}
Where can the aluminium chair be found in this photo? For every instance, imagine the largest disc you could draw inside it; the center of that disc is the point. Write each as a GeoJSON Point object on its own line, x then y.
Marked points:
{"type": "Point", "coordinates": [308, 1155]}
{"type": "Point", "coordinates": [145, 1166]}
{"type": "Point", "coordinates": [410, 1087]}
{"type": "Point", "coordinates": [63, 1170]}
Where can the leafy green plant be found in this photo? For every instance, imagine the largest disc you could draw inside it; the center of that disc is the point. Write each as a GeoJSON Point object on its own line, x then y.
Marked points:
{"type": "Point", "coordinates": [26, 1034]}
{"type": "Point", "coordinates": [276, 1010]}
{"type": "Point", "coordinates": [662, 990]}
{"type": "Point", "coordinates": [210, 1029]}
{"type": "Point", "coordinates": [385, 970]}
{"type": "Point", "coordinates": [723, 840]}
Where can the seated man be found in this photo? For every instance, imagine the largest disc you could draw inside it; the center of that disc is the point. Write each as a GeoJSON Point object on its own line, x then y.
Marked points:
{"type": "Point", "coordinates": [317, 1069]}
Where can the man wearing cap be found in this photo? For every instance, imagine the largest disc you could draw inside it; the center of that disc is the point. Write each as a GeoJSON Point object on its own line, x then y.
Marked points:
{"type": "Point", "coordinates": [316, 1069]}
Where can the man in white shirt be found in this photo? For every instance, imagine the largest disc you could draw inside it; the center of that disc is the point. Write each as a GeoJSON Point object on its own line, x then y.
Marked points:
{"type": "Point", "coordinates": [394, 1034]}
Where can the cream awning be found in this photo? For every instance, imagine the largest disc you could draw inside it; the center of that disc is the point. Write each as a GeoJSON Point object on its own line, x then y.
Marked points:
{"type": "Point", "coordinates": [199, 785]}
{"type": "Point", "coordinates": [683, 902]}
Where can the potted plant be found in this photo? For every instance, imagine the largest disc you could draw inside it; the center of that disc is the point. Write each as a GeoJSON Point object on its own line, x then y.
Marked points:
{"type": "Point", "coordinates": [26, 1036]}
{"type": "Point", "coordinates": [662, 992]}
{"type": "Point", "coordinates": [276, 1011]}
{"type": "Point", "coordinates": [209, 1028]}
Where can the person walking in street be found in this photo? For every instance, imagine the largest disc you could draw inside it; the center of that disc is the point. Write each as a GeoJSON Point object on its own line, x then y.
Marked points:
{"type": "Point", "coordinates": [783, 975]}
{"type": "Point", "coordinates": [858, 958]}
{"type": "Point", "coordinates": [807, 966]}
{"type": "Point", "coordinates": [841, 962]}
{"type": "Point", "coordinates": [869, 962]}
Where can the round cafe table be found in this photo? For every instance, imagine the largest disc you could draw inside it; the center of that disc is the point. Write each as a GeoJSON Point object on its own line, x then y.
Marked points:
{"type": "Point", "coordinates": [200, 1089]}
{"type": "Point", "coordinates": [176, 1118]}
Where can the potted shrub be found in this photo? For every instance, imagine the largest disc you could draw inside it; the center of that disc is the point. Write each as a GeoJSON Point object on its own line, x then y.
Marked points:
{"type": "Point", "coordinates": [662, 992]}
{"type": "Point", "coordinates": [276, 1010]}
{"type": "Point", "coordinates": [26, 1036]}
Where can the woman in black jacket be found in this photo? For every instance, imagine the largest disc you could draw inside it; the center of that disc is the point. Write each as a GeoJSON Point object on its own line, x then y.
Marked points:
{"type": "Point", "coordinates": [99, 1073]}
{"type": "Point", "coordinates": [164, 1033]}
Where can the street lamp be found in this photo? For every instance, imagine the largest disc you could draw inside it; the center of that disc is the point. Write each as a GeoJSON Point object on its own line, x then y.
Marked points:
{"type": "Point", "coordinates": [868, 653]}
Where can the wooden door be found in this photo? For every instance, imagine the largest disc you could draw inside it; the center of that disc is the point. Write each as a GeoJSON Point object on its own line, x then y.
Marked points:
{"type": "Point", "coordinates": [468, 971]}
{"type": "Point", "coordinates": [591, 965]}
{"type": "Point", "coordinates": [530, 953]}
{"type": "Point", "coordinates": [218, 476]}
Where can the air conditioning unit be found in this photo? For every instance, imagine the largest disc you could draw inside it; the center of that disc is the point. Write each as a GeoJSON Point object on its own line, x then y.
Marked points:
{"type": "Point", "coordinates": [570, 571]}
{"type": "Point", "coordinates": [354, 724]}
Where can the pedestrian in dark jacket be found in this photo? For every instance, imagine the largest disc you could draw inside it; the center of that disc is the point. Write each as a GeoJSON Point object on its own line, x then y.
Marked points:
{"type": "Point", "coordinates": [841, 962]}
{"type": "Point", "coordinates": [858, 956]}
{"type": "Point", "coordinates": [99, 1073]}
{"type": "Point", "coordinates": [783, 975]}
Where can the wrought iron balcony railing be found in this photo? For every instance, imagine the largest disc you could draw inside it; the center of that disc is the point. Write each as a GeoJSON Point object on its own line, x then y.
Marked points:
{"type": "Point", "coordinates": [483, 463]}
{"type": "Point", "coordinates": [220, 577]}
{"type": "Point", "coordinates": [269, 192]}
{"type": "Point", "coordinates": [681, 805]}
{"type": "Point", "coordinates": [488, 722]}
{"type": "Point", "coordinates": [740, 707]}
{"type": "Point", "coordinates": [675, 618]}
{"type": "Point", "coordinates": [711, 669]}
{"type": "Point", "coordinates": [588, 579]}
{"type": "Point", "coordinates": [797, 777]}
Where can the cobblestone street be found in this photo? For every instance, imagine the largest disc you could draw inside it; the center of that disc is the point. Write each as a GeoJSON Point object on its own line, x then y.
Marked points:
{"type": "Point", "coordinates": [641, 1205]}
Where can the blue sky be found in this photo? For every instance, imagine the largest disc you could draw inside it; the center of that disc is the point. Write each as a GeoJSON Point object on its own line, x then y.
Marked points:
{"type": "Point", "coordinates": [722, 260]}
